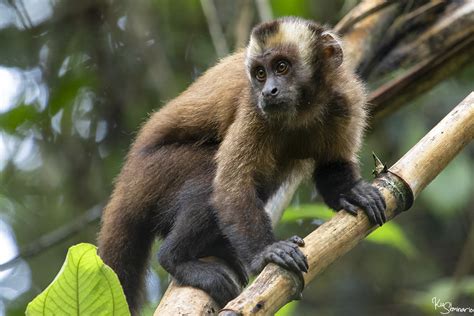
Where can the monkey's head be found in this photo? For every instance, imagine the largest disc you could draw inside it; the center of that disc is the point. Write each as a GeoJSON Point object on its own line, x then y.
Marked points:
{"type": "Point", "coordinates": [288, 61]}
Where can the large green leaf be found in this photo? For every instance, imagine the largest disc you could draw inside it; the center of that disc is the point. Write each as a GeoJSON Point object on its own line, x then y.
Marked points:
{"type": "Point", "coordinates": [84, 286]}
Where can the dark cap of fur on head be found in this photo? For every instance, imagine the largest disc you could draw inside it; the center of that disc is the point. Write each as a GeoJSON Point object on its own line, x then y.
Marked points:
{"type": "Point", "coordinates": [288, 30]}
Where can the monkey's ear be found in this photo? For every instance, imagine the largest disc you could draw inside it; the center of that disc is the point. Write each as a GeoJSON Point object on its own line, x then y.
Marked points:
{"type": "Point", "coordinates": [332, 48]}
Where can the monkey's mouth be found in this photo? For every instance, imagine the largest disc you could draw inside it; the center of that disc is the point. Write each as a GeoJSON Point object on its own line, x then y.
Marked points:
{"type": "Point", "coordinates": [271, 107]}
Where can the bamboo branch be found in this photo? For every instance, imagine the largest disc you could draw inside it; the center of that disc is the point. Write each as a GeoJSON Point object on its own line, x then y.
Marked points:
{"type": "Point", "coordinates": [403, 182]}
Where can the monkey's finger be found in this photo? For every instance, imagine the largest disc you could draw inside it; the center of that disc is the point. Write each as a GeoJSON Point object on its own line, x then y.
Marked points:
{"type": "Point", "coordinates": [303, 257]}
{"type": "Point", "coordinates": [348, 207]}
{"type": "Point", "coordinates": [379, 202]}
{"type": "Point", "coordinates": [290, 262]}
{"type": "Point", "coordinates": [286, 246]}
{"type": "Point", "coordinates": [367, 197]}
{"type": "Point", "coordinates": [380, 211]}
{"type": "Point", "coordinates": [378, 216]}
{"type": "Point", "coordinates": [278, 260]}
{"type": "Point", "coordinates": [381, 206]}
{"type": "Point", "coordinates": [364, 204]}
{"type": "Point", "coordinates": [370, 213]}
{"type": "Point", "coordinates": [295, 253]}
{"type": "Point", "coordinates": [297, 240]}
{"type": "Point", "coordinates": [300, 260]}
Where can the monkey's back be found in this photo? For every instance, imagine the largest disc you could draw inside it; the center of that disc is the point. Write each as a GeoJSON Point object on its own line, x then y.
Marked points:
{"type": "Point", "coordinates": [204, 111]}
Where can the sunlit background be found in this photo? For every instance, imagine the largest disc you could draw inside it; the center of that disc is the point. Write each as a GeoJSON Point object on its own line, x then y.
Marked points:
{"type": "Point", "coordinates": [77, 78]}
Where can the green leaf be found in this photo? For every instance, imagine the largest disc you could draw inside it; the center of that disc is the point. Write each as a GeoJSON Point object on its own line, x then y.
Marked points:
{"type": "Point", "coordinates": [307, 211]}
{"type": "Point", "coordinates": [288, 310]}
{"type": "Point", "coordinates": [391, 234]}
{"type": "Point", "coordinates": [83, 286]}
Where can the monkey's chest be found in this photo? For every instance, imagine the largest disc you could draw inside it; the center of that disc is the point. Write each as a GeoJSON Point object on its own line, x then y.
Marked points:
{"type": "Point", "coordinates": [299, 145]}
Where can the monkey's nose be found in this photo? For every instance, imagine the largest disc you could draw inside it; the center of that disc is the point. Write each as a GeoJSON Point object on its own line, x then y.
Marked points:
{"type": "Point", "coordinates": [272, 92]}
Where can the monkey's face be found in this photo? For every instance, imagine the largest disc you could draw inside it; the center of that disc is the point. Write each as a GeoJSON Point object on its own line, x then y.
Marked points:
{"type": "Point", "coordinates": [287, 61]}
{"type": "Point", "coordinates": [276, 82]}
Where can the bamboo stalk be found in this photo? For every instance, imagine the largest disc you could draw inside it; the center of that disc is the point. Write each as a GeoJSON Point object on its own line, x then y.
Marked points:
{"type": "Point", "coordinates": [273, 288]}
{"type": "Point", "coordinates": [186, 300]}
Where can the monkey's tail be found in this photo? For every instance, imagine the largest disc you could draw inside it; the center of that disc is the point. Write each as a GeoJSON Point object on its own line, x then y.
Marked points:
{"type": "Point", "coordinates": [125, 241]}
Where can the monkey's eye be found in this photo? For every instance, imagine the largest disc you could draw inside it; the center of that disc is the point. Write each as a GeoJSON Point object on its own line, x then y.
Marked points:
{"type": "Point", "coordinates": [282, 67]}
{"type": "Point", "coordinates": [260, 74]}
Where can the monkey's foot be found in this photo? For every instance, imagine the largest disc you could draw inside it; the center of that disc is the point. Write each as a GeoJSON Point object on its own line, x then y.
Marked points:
{"type": "Point", "coordinates": [210, 277]}
{"type": "Point", "coordinates": [284, 253]}
{"type": "Point", "coordinates": [368, 198]}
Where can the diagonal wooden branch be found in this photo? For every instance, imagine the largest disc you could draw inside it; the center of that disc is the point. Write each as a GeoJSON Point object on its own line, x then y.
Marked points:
{"type": "Point", "coordinates": [403, 182]}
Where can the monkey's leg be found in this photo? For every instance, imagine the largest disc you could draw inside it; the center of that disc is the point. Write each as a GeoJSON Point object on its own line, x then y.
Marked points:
{"type": "Point", "coordinates": [191, 238]}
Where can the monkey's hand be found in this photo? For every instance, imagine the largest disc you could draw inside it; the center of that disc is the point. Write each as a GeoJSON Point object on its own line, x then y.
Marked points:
{"type": "Point", "coordinates": [368, 198]}
{"type": "Point", "coordinates": [285, 253]}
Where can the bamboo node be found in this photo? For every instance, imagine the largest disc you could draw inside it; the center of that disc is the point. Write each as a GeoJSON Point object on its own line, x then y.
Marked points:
{"type": "Point", "coordinates": [399, 188]}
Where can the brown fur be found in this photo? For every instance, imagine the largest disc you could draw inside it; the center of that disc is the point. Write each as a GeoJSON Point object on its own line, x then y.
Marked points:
{"type": "Point", "coordinates": [209, 153]}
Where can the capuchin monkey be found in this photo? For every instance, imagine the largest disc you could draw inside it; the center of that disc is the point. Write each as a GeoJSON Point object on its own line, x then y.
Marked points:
{"type": "Point", "coordinates": [202, 167]}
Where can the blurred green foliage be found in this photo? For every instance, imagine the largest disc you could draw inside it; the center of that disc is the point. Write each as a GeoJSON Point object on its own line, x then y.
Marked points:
{"type": "Point", "coordinates": [78, 78]}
